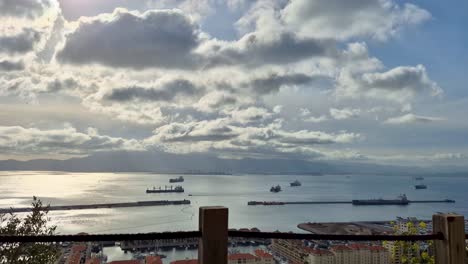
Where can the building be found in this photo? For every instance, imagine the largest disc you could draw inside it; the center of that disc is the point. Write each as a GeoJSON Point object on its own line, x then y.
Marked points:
{"type": "Point", "coordinates": [77, 254]}
{"type": "Point", "coordinates": [186, 261]}
{"type": "Point", "coordinates": [291, 250]}
{"type": "Point", "coordinates": [153, 260]}
{"type": "Point", "coordinates": [264, 256]}
{"type": "Point", "coordinates": [379, 255]}
{"type": "Point", "coordinates": [126, 262]}
{"type": "Point", "coordinates": [319, 256]}
{"type": "Point", "coordinates": [343, 254]}
{"type": "Point", "coordinates": [360, 253]}
{"type": "Point", "coordinates": [244, 258]}
{"type": "Point", "coordinates": [93, 261]}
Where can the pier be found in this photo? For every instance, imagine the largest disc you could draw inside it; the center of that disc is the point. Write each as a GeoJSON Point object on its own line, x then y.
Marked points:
{"type": "Point", "coordinates": [345, 202]}
{"type": "Point", "coordinates": [97, 206]}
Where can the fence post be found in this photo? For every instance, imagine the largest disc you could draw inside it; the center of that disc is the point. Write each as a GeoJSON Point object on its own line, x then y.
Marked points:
{"type": "Point", "coordinates": [451, 250]}
{"type": "Point", "coordinates": [213, 243]}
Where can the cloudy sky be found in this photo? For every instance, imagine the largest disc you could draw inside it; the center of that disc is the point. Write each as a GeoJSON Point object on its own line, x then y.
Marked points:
{"type": "Point", "coordinates": [379, 81]}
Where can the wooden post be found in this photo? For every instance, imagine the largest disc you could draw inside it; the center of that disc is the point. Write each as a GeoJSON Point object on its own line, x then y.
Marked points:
{"type": "Point", "coordinates": [451, 250]}
{"type": "Point", "coordinates": [213, 244]}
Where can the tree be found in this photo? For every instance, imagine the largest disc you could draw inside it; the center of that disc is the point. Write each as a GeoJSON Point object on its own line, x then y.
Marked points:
{"type": "Point", "coordinates": [412, 252]}
{"type": "Point", "coordinates": [35, 223]}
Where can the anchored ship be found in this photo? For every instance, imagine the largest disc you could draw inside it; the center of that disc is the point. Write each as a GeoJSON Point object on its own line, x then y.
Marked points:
{"type": "Point", "coordinates": [295, 183]}
{"type": "Point", "coordinates": [275, 189]}
{"type": "Point", "coordinates": [178, 179]}
{"type": "Point", "coordinates": [177, 189]}
{"type": "Point", "coordinates": [420, 186]}
{"type": "Point", "coordinates": [402, 200]}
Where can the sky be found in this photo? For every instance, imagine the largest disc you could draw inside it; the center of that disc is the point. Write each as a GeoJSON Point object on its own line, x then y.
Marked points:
{"type": "Point", "coordinates": [376, 81]}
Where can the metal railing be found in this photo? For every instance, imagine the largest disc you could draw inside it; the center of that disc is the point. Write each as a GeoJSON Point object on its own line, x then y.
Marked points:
{"type": "Point", "coordinates": [448, 236]}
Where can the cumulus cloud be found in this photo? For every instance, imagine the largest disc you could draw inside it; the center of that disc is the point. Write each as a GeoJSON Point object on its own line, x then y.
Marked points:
{"type": "Point", "coordinates": [258, 48]}
{"type": "Point", "coordinates": [411, 119]}
{"type": "Point", "coordinates": [155, 38]}
{"type": "Point", "coordinates": [215, 130]}
{"type": "Point", "coordinates": [225, 136]}
{"type": "Point", "coordinates": [400, 84]}
{"type": "Point", "coordinates": [7, 65]}
{"type": "Point", "coordinates": [345, 113]}
{"type": "Point", "coordinates": [166, 91]}
{"type": "Point", "coordinates": [377, 19]}
{"type": "Point", "coordinates": [23, 8]}
{"type": "Point", "coordinates": [170, 39]}
{"type": "Point", "coordinates": [274, 81]}
{"type": "Point", "coordinates": [22, 42]}
{"type": "Point", "coordinates": [66, 141]}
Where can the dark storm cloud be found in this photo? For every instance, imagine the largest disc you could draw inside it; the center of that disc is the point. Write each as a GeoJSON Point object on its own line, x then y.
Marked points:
{"type": "Point", "coordinates": [165, 92]}
{"type": "Point", "coordinates": [6, 65]}
{"type": "Point", "coordinates": [19, 43]}
{"type": "Point", "coordinates": [164, 38]}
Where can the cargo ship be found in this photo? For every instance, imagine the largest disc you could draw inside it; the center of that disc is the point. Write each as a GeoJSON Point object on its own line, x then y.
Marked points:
{"type": "Point", "coordinates": [402, 200]}
{"type": "Point", "coordinates": [275, 189]}
{"type": "Point", "coordinates": [178, 179]}
{"type": "Point", "coordinates": [264, 203]}
{"type": "Point", "coordinates": [177, 189]}
{"type": "Point", "coordinates": [295, 183]}
{"type": "Point", "coordinates": [420, 186]}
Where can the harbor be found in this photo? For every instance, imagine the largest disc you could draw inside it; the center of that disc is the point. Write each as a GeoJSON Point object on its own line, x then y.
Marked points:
{"type": "Point", "coordinates": [97, 206]}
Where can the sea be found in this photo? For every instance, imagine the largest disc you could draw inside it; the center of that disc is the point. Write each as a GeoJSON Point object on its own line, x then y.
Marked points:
{"type": "Point", "coordinates": [232, 191]}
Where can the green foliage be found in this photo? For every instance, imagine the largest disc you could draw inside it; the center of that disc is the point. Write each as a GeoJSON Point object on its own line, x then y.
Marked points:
{"type": "Point", "coordinates": [35, 223]}
{"type": "Point", "coordinates": [411, 252]}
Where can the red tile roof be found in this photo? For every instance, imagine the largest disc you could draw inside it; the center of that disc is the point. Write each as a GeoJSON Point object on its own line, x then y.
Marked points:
{"type": "Point", "coordinates": [125, 262]}
{"type": "Point", "coordinates": [93, 261]}
{"type": "Point", "coordinates": [377, 248]}
{"type": "Point", "coordinates": [153, 260]}
{"type": "Point", "coordinates": [187, 261]}
{"type": "Point", "coordinates": [74, 258]}
{"type": "Point", "coordinates": [78, 248]}
{"type": "Point", "coordinates": [358, 246]}
{"type": "Point", "coordinates": [262, 254]}
{"type": "Point", "coordinates": [317, 251]}
{"type": "Point", "coordinates": [241, 256]}
{"type": "Point", "coordinates": [340, 248]}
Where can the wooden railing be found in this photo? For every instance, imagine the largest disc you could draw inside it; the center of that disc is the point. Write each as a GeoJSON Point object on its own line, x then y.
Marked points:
{"type": "Point", "coordinates": [448, 236]}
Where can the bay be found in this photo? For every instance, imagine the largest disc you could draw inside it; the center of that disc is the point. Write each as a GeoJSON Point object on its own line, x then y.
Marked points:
{"type": "Point", "coordinates": [232, 191]}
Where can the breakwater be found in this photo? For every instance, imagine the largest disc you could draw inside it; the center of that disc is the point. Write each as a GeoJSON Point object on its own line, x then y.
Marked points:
{"type": "Point", "coordinates": [98, 206]}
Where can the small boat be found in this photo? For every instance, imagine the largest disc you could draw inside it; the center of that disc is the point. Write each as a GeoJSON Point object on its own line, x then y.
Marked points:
{"type": "Point", "coordinates": [295, 183]}
{"type": "Point", "coordinates": [420, 186]}
{"type": "Point", "coordinates": [419, 178]}
{"type": "Point", "coordinates": [178, 179]}
{"type": "Point", "coordinates": [275, 189]}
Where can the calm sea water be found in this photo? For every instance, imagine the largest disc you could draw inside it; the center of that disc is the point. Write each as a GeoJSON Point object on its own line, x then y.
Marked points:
{"type": "Point", "coordinates": [232, 191]}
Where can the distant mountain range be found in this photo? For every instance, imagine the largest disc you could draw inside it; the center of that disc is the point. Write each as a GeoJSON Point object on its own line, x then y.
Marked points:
{"type": "Point", "coordinates": [162, 162]}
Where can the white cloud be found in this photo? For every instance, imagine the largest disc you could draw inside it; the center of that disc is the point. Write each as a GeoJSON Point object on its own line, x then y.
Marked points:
{"type": "Point", "coordinates": [345, 113]}
{"type": "Point", "coordinates": [411, 119]}
{"type": "Point", "coordinates": [68, 141]}
{"type": "Point", "coordinates": [24, 8]}
{"type": "Point", "coordinates": [19, 43]}
{"type": "Point", "coordinates": [377, 19]}
{"type": "Point", "coordinates": [362, 77]}
{"type": "Point", "coordinates": [158, 38]}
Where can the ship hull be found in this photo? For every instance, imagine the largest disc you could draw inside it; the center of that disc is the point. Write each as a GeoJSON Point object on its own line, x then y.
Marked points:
{"type": "Point", "coordinates": [379, 202]}
{"type": "Point", "coordinates": [164, 191]}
